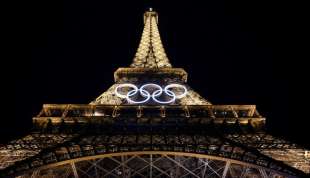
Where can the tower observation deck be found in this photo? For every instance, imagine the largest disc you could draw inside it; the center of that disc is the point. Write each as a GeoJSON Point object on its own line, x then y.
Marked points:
{"type": "Point", "coordinates": [151, 123]}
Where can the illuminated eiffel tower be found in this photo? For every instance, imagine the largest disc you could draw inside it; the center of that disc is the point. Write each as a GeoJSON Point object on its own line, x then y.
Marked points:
{"type": "Point", "coordinates": [150, 123]}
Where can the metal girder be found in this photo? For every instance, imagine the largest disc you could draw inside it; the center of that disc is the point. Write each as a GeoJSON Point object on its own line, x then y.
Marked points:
{"type": "Point", "coordinates": [153, 164]}
{"type": "Point", "coordinates": [226, 169]}
{"type": "Point", "coordinates": [76, 175]}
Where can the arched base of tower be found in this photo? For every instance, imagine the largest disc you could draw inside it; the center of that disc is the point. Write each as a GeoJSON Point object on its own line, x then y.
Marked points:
{"type": "Point", "coordinates": [151, 164]}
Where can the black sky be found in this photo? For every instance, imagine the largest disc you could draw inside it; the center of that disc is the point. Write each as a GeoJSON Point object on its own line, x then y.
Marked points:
{"type": "Point", "coordinates": [231, 50]}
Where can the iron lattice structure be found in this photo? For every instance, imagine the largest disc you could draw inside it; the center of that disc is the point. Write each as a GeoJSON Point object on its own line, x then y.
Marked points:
{"type": "Point", "coordinates": [187, 137]}
{"type": "Point", "coordinates": [152, 164]}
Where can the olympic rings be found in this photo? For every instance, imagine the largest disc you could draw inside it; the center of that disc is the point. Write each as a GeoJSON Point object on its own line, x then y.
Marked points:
{"type": "Point", "coordinates": [149, 91]}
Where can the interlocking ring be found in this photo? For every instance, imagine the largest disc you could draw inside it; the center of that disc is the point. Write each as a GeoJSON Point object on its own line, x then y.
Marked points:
{"type": "Point", "coordinates": [149, 91]}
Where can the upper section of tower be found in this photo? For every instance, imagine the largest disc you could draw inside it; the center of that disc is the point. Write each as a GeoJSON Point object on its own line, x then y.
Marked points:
{"type": "Point", "coordinates": [150, 53]}
{"type": "Point", "coordinates": [150, 79]}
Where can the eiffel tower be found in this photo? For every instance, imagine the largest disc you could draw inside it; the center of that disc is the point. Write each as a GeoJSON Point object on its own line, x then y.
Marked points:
{"type": "Point", "coordinates": [150, 123]}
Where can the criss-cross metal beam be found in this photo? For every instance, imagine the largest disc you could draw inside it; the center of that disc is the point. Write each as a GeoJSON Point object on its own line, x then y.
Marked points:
{"type": "Point", "coordinates": [227, 166]}
{"type": "Point", "coordinates": [75, 173]}
{"type": "Point", "coordinates": [182, 166]}
{"type": "Point", "coordinates": [210, 167]}
{"type": "Point", "coordinates": [263, 173]}
{"type": "Point", "coordinates": [193, 170]}
{"type": "Point", "coordinates": [152, 164]}
{"type": "Point", "coordinates": [121, 164]}
{"type": "Point", "coordinates": [176, 166]}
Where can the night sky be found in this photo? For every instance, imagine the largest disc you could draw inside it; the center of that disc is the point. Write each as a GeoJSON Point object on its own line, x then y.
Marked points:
{"type": "Point", "coordinates": [230, 49]}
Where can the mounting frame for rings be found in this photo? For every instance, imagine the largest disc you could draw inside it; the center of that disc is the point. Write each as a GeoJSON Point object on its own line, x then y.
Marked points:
{"type": "Point", "coordinates": [156, 92]}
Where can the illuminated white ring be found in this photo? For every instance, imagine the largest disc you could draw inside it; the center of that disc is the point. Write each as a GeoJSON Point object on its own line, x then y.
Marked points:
{"type": "Point", "coordinates": [143, 93]}
{"type": "Point", "coordinates": [125, 85]}
{"type": "Point", "coordinates": [174, 85]}
{"type": "Point", "coordinates": [168, 92]}
{"type": "Point", "coordinates": [160, 90]}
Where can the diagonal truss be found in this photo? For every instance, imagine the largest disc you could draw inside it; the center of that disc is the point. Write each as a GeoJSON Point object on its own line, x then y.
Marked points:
{"type": "Point", "coordinates": [152, 165]}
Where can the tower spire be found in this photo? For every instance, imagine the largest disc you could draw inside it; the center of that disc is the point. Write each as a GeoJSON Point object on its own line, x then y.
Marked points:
{"type": "Point", "coordinates": [150, 53]}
